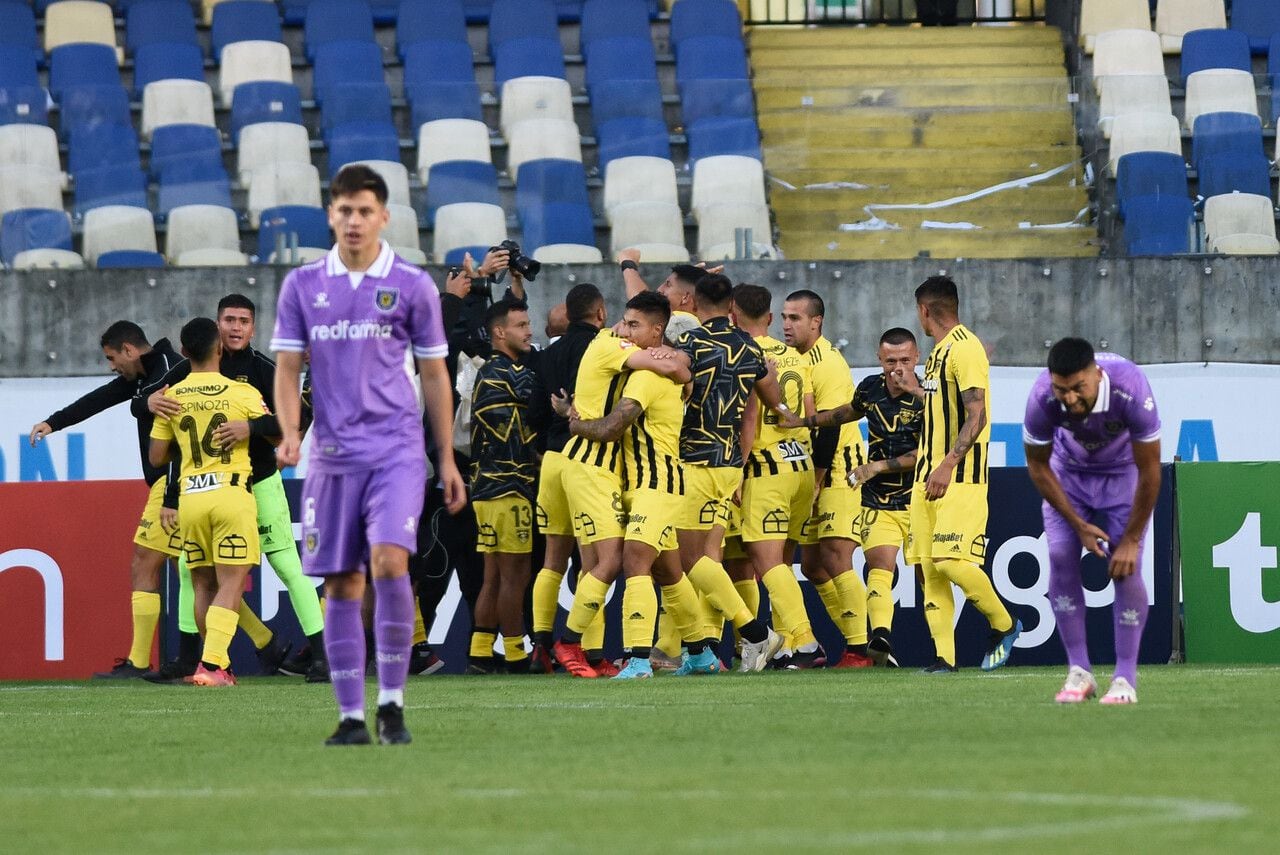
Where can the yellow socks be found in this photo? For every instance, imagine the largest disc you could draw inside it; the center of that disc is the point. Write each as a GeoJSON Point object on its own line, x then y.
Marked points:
{"type": "Point", "coordinates": [220, 626]}
{"type": "Point", "coordinates": [588, 604]}
{"type": "Point", "coordinates": [146, 614]}
{"type": "Point", "coordinates": [419, 625]}
{"type": "Point", "coordinates": [668, 633]}
{"type": "Point", "coordinates": [639, 611]}
{"type": "Point", "coordinates": [830, 600]}
{"type": "Point", "coordinates": [978, 589]}
{"type": "Point", "coordinates": [749, 590]}
{"type": "Point", "coordinates": [788, 605]}
{"type": "Point", "coordinates": [253, 627]}
{"type": "Point", "coordinates": [482, 643]}
{"type": "Point", "coordinates": [593, 638]}
{"type": "Point", "coordinates": [708, 576]}
{"type": "Point", "coordinates": [880, 598]}
{"type": "Point", "coordinates": [546, 593]}
{"type": "Point", "coordinates": [513, 648]}
{"type": "Point", "coordinates": [680, 601]}
{"type": "Point", "coordinates": [939, 611]}
{"type": "Point", "coordinates": [852, 597]}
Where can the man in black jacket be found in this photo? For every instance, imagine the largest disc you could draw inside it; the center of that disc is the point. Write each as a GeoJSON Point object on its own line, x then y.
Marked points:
{"type": "Point", "coordinates": [136, 364]}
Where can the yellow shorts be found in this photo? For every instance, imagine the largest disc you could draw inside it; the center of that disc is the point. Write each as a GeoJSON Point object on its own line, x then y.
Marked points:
{"type": "Point", "coordinates": [884, 528]}
{"type": "Point", "coordinates": [219, 527]}
{"type": "Point", "coordinates": [954, 526]}
{"type": "Point", "coordinates": [708, 495]}
{"type": "Point", "coordinates": [651, 518]}
{"type": "Point", "coordinates": [505, 524]}
{"type": "Point", "coordinates": [734, 550]}
{"type": "Point", "coordinates": [595, 501]}
{"type": "Point", "coordinates": [837, 515]}
{"type": "Point", "coordinates": [151, 533]}
{"type": "Point", "coordinates": [775, 507]}
{"type": "Point", "coordinates": [553, 505]}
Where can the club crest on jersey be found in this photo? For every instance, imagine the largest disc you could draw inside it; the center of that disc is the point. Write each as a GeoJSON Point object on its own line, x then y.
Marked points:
{"type": "Point", "coordinates": [386, 299]}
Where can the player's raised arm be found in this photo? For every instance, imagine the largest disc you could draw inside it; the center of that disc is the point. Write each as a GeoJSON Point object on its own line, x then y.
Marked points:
{"type": "Point", "coordinates": [611, 427]}
{"type": "Point", "coordinates": [668, 362]}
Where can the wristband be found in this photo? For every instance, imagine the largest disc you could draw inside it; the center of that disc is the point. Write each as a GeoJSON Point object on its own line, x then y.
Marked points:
{"type": "Point", "coordinates": [628, 264]}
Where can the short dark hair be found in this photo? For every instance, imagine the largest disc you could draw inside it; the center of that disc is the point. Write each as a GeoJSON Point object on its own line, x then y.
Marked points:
{"type": "Point", "coordinates": [199, 337]}
{"type": "Point", "coordinates": [752, 301]}
{"type": "Point", "coordinates": [496, 315]}
{"type": "Point", "coordinates": [353, 178]}
{"type": "Point", "coordinates": [939, 292]}
{"type": "Point", "coordinates": [1069, 355]}
{"type": "Point", "coordinates": [897, 335]}
{"type": "Point", "coordinates": [714, 289]}
{"type": "Point", "coordinates": [689, 273]}
{"type": "Point", "coordinates": [237, 301]}
{"type": "Point", "coordinates": [653, 304]}
{"type": "Point", "coordinates": [124, 332]}
{"type": "Point", "coordinates": [817, 308]}
{"type": "Point", "coordinates": [581, 301]}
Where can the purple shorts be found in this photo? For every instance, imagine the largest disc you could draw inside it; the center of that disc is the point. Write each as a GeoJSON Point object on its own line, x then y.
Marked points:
{"type": "Point", "coordinates": [1106, 500]}
{"type": "Point", "coordinates": [343, 514]}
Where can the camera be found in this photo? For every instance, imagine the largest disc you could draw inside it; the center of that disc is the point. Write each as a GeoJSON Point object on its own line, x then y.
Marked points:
{"type": "Point", "coordinates": [517, 261]}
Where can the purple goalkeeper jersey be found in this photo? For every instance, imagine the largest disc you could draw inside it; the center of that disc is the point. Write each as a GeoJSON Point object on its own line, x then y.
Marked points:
{"type": "Point", "coordinates": [1125, 412]}
{"type": "Point", "coordinates": [358, 332]}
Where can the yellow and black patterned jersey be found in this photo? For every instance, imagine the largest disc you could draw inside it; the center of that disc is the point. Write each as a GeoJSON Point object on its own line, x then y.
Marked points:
{"type": "Point", "coordinates": [601, 375]}
{"type": "Point", "coordinates": [208, 401]}
{"type": "Point", "coordinates": [958, 362]}
{"type": "Point", "coordinates": [726, 363]}
{"type": "Point", "coordinates": [832, 388]}
{"type": "Point", "coordinates": [651, 445]}
{"type": "Point", "coordinates": [507, 411]}
{"type": "Point", "coordinates": [778, 449]}
{"type": "Point", "coordinates": [893, 429]}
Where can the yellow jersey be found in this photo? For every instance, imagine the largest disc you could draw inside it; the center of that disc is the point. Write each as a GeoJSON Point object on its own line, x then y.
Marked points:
{"type": "Point", "coordinates": [958, 362]}
{"type": "Point", "coordinates": [601, 375]}
{"type": "Point", "coordinates": [778, 449]}
{"type": "Point", "coordinates": [651, 445]}
{"type": "Point", "coordinates": [833, 387]}
{"type": "Point", "coordinates": [209, 400]}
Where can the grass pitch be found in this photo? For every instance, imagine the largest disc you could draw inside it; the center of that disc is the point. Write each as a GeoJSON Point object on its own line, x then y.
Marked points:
{"type": "Point", "coordinates": [795, 762]}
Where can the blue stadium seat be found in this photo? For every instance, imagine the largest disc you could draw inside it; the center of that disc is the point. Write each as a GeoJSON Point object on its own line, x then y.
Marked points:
{"type": "Point", "coordinates": [103, 145]}
{"type": "Point", "coordinates": [346, 62]}
{"type": "Point", "coordinates": [331, 21]}
{"type": "Point", "coordinates": [25, 105]}
{"type": "Point", "coordinates": [1246, 173]}
{"type": "Point", "coordinates": [623, 99]}
{"type": "Point", "coordinates": [171, 144]}
{"type": "Point", "coordinates": [622, 58]}
{"type": "Point", "coordinates": [458, 255]}
{"type": "Point", "coordinates": [716, 99]}
{"type": "Point", "coordinates": [385, 11]}
{"type": "Point", "coordinates": [430, 21]}
{"type": "Point", "coordinates": [86, 105]}
{"type": "Point", "coordinates": [542, 181]}
{"type": "Point", "coordinates": [431, 101]}
{"type": "Point", "coordinates": [632, 137]}
{"type": "Point", "coordinates": [1203, 49]}
{"type": "Point", "coordinates": [527, 57]}
{"type": "Point", "coordinates": [18, 29]}
{"type": "Point", "coordinates": [33, 228]}
{"type": "Point", "coordinates": [604, 19]}
{"type": "Point", "coordinates": [192, 182]}
{"type": "Point", "coordinates": [1258, 19]}
{"type": "Point", "coordinates": [81, 64]}
{"type": "Point", "coordinates": [1158, 225]}
{"type": "Point", "coordinates": [1218, 133]}
{"type": "Point", "coordinates": [556, 222]}
{"type": "Point", "coordinates": [1150, 173]}
{"type": "Point", "coordinates": [311, 225]}
{"type": "Point", "coordinates": [17, 65]}
{"type": "Point", "coordinates": [711, 58]}
{"type": "Point", "coordinates": [433, 61]}
{"type": "Point", "coordinates": [294, 12]}
{"type": "Point", "coordinates": [361, 141]}
{"type": "Point", "coordinates": [123, 184]}
{"type": "Point", "coordinates": [356, 102]}
{"type": "Point", "coordinates": [460, 181]}
{"type": "Point", "coordinates": [264, 101]}
{"type": "Point", "coordinates": [244, 21]}
{"type": "Point", "coordinates": [712, 137]}
{"type": "Point", "coordinates": [165, 61]}
{"type": "Point", "coordinates": [159, 21]}
{"type": "Point", "coordinates": [513, 20]}
{"type": "Point", "coordinates": [568, 11]}
{"type": "Point", "coordinates": [477, 11]}
{"type": "Point", "coordinates": [705, 18]}
{"type": "Point", "coordinates": [129, 258]}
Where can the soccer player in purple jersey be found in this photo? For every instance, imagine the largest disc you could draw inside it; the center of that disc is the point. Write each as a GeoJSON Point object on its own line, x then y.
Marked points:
{"type": "Point", "coordinates": [358, 310]}
{"type": "Point", "coordinates": [1092, 436]}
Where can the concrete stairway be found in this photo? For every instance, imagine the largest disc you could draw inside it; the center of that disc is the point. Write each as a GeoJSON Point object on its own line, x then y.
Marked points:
{"type": "Point", "coordinates": [857, 117]}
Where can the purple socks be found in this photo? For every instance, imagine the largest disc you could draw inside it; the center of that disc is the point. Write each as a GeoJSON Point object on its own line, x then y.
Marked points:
{"type": "Point", "coordinates": [393, 632]}
{"type": "Point", "coordinates": [1129, 613]}
{"type": "Point", "coordinates": [344, 646]}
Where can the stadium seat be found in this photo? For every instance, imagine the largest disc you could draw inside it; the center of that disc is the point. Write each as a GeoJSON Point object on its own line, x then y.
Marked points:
{"type": "Point", "coordinates": [712, 137]}
{"type": "Point", "coordinates": [430, 102]}
{"type": "Point", "coordinates": [1258, 19]}
{"type": "Point", "coordinates": [477, 11]}
{"type": "Point", "coordinates": [1099, 16]}
{"type": "Point", "coordinates": [88, 106]}
{"type": "Point", "coordinates": [705, 18]}
{"type": "Point", "coordinates": [716, 99]}
{"type": "Point", "coordinates": [80, 22]}
{"type": "Point", "coordinates": [81, 65]}
{"type": "Point", "coordinates": [451, 139]}
{"type": "Point", "coordinates": [248, 61]}
{"type": "Point", "coordinates": [514, 20]}
{"type": "Point", "coordinates": [1158, 225]}
{"type": "Point", "coordinates": [212, 257]}
{"type": "Point", "coordinates": [176, 102]}
{"type": "Point", "coordinates": [428, 21]}
{"type": "Point", "coordinates": [534, 98]}
{"type": "Point", "coordinates": [717, 225]}
{"type": "Point", "coordinates": [436, 61]}
{"type": "Point", "coordinates": [122, 184]}
{"type": "Point", "coordinates": [159, 22]}
{"type": "Point", "coordinates": [331, 21]}
{"type": "Point", "coordinates": [154, 62]}
{"type": "Point", "coordinates": [1239, 214]}
{"type": "Point", "coordinates": [366, 102]}
{"type": "Point", "coordinates": [454, 181]}
{"type": "Point", "coordinates": [18, 31]}
{"type": "Point", "coordinates": [1127, 52]}
{"type": "Point", "coordinates": [1149, 173]}
{"type": "Point", "coordinates": [1235, 174]}
{"type": "Point", "coordinates": [361, 141]}
{"type": "Point", "coordinates": [556, 223]}
{"type": "Point", "coordinates": [193, 227]}
{"type": "Point", "coordinates": [540, 182]}
{"type": "Point", "coordinates": [1203, 49]}
{"type": "Point", "coordinates": [402, 230]}
{"type": "Point", "coordinates": [639, 179]}
{"type": "Point", "coordinates": [172, 144]}
{"type": "Point", "coordinates": [244, 21]}
{"type": "Point", "coordinates": [528, 58]}
{"type": "Point", "coordinates": [537, 139]}
{"type": "Point", "coordinates": [264, 101]}
{"type": "Point", "coordinates": [111, 228]}
{"type": "Point", "coordinates": [622, 58]}
{"type": "Point", "coordinates": [32, 146]}
{"type": "Point", "coordinates": [396, 176]}
{"type": "Point", "coordinates": [1176, 18]}
{"type": "Point", "coordinates": [193, 183]}
{"type": "Point", "coordinates": [568, 253]}
{"type": "Point", "coordinates": [646, 222]}
{"type": "Point", "coordinates": [465, 225]}
{"type": "Point", "coordinates": [282, 183]}
{"type": "Point", "coordinates": [270, 142]}
{"type": "Point", "coordinates": [31, 227]}
{"type": "Point", "coordinates": [48, 259]}
{"type": "Point", "coordinates": [625, 99]}
{"type": "Point", "coordinates": [726, 179]}
{"type": "Point", "coordinates": [129, 258]}
{"type": "Point", "coordinates": [604, 19]}
{"type": "Point", "coordinates": [27, 187]}
{"type": "Point", "coordinates": [711, 58]}
{"type": "Point", "coordinates": [345, 62]}
{"type": "Point", "coordinates": [296, 226]}
{"type": "Point", "coordinates": [23, 105]}
{"type": "Point", "coordinates": [17, 66]}
{"type": "Point", "coordinates": [1132, 93]}
{"type": "Point", "coordinates": [1143, 132]}
{"type": "Point", "coordinates": [98, 145]}
{"type": "Point", "coordinates": [1222, 134]}
{"type": "Point", "coordinates": [632, 137]}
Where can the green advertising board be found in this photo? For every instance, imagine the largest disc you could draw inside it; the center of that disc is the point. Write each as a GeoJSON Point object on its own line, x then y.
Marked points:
{"type": "Point", "coordinates": [1229, 526]}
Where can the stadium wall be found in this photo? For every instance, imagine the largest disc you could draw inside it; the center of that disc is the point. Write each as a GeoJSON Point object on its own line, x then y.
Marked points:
{"type": "Point", "coordinates": [1154, 310]}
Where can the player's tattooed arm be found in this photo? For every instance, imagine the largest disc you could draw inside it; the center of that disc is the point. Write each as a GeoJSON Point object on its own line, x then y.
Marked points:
{"type": "Point", "coordinates": [876, 468]}
{"type": "Point", "coordinates": [975, 419]}
{"type": "Point", "coordinates": [609, 428]}
{"type": "Point", "coordinates": [833, 418]}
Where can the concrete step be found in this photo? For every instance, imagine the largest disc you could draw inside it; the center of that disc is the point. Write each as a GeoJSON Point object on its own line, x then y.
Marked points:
{"type": "Point", "coordinates": [936, 243]}
{"type": "Point", "coordinates": [833, 133]}
{"type": "Point", "coordinates": [1003, 215]}
{"type": "Point", "coordinates": [761, 38]}
{"type": "Point", "coordinates": [887, 94]}
{"type": "Point", "coordinates": [922, 71]}
{"type": "Point", "coordinates": [1060, 198]}
{"type": "Point", "coordinates": [853, 57]}
{"type": "Point", "coordinates": [816, 165]}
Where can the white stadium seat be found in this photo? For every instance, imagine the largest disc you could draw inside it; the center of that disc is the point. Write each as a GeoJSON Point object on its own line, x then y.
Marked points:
{"type": "Point", "coordinates": [284, 183]}
{"type": "Point", "coordinates": [542, 139]}
{"type": "Point", "coordinates": [176, 102]}
{"type": "Point", "coordinates": [468, 224]}
{"type": "Point", "coordinates": [1219, 90]}
{"type": "Point", "coordinates": [1122, 52]}
{"type": "Point", "coordinates": [47, 259]}
{"type": "Point", "coordinates": [34, 146]}
{"type": "Point", "coordinates": [451, 139]}
{"type": "Point", "coordinates": [639, 179]}
{"type": "Point", "coordinates": [1132, 93]}
{"type": "Point", "coordinates": [29, 187]}
{"type": "Point", "coordinates": [402, 229]}
{"type": "Point", "coordinates": [271, 142]}
{"type": "Point", "coordinates": [192, 227]}
{"type": "Point", "coordinates": [1176, 18]}
{"type": "Point", "coordinates": [1132, 132]}
{"type": "Point", "coordinates": [1100, 16]}
{"type": "Point", "coordinates": [718, 225]}
{"type": "Point", "coordinates": [1233, 214]}
{"type": "Point", "coordinates": [115, 227]}
{"type": "Point", "coordinates": [72, 21]}
{"type": "Point", "coordinates": [568, 253]}
{"type": "Point", "coordinates": [662, 253]}
{"type": "Point", "coordinates": [534, 98]}
{"type": "Point", "coordinates": [646, 223]}
{"type": "Point", "coordinates": [212, 257]}
{"type": "Point", "coordinates": [397, 177]}
{"type": "Point", "coordinates": [245, 62]}
{"type": "Point", "coordinates": [727, 179]}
